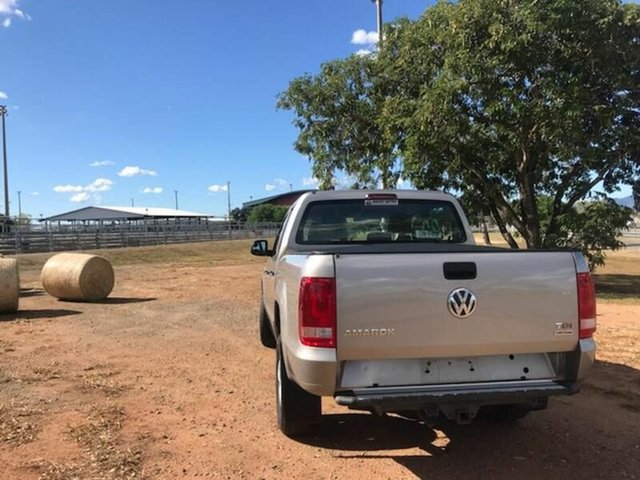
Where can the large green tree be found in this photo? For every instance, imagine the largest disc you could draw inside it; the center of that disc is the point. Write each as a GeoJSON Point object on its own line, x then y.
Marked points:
{"type": "Point", "coordinates": [503, 101]}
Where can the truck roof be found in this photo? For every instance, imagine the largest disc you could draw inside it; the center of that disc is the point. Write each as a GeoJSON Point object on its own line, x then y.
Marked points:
{"type": "Point", "coordinates": [347, 194]}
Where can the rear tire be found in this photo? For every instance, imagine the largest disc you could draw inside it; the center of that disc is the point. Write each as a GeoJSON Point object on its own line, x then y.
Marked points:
{"type": "Point", "coordinates": [266, 333]}
{"type": "Point", "coordinates": [297, 409]}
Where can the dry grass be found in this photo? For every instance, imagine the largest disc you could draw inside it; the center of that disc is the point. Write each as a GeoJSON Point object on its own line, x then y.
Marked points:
{"type": "Point", "coordinates": [17, 424]}
{"type": "Point", "coordinates": [100, 438]}
{"type": "Point", "coordinates": [55, 471]}
{"type": "Point", "coordinates": [206, 253]}
{"type": "Point", "coordinates": [102, 382]}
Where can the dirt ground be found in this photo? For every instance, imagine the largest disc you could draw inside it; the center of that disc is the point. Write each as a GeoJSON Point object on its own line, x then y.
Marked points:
{"type": "Point", "coordinates": [168, 380]}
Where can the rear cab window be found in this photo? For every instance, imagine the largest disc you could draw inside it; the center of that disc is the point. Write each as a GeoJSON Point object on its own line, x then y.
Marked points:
{"type": "Point", "coordinates": [362, 221]}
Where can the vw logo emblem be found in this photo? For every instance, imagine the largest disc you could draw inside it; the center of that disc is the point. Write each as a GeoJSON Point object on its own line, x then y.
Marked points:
{"type": "Point", "coordinates": [461, 303]}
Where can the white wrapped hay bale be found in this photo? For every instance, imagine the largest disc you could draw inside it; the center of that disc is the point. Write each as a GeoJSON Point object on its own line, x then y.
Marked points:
{"type": "Point", "coordinates": [78, 276]}
{"type": "Point", "coordinates": [9, 285]}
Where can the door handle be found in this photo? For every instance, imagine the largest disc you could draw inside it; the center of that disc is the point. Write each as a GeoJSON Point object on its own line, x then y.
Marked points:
{"type": "Point", "coordinates": [460, 270]}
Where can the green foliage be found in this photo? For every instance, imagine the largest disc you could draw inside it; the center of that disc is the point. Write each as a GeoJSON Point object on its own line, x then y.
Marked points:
{"type": "Point", "coordinates": [522, 106]}
{"type": "Point", "coordinates": [267, 212]}
{"type": "Point", "coordinates": [239, 214]}
{"type": "Point", "coordinates": [591, 227]}
{"type": "Point", "coordinates": [336, 113]}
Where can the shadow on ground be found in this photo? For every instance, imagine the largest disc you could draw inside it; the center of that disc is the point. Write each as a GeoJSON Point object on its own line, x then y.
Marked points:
{"type": "Point", "coordinates": [113, 301]}
{"type": "Point", "coordinates": [124, 301]}
{"type": "Point", "coordinates": [37, 314]}
{"type": "Point", "coordinates": [589, 435]}
{"type": "Point", "coordinates": [618, 285]}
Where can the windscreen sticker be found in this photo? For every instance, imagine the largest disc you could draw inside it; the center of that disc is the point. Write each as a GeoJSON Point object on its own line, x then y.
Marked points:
{"type": "Point", "coordinates": [381, 202]}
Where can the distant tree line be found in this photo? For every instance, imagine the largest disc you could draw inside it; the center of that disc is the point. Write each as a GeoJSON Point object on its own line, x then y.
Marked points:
{"type": "Point", "coordinates": [266, 212]}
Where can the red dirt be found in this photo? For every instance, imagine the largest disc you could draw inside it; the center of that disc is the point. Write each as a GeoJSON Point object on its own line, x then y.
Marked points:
{"type": "Point", "coordinates": [168, 380]}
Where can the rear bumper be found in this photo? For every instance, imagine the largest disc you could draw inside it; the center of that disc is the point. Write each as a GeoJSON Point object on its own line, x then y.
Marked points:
{"type": "Point", "coordinates": [420, 397]}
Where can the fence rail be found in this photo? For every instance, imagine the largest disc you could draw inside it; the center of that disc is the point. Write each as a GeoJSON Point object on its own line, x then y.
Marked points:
{"type": "Point", "coordinates": [65, 239]}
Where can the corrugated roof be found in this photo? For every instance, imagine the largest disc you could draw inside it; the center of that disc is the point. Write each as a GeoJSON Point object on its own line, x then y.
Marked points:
{"type": "Point", "coordinates": [260, 201]}
{"type": "Point", "coordinates": [122, 213]}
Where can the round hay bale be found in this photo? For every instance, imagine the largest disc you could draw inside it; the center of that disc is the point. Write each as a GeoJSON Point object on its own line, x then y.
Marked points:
{"type": "Point", "coordinates": [9, 285]}
{"type": "Point", "coordinates": [78, 276]}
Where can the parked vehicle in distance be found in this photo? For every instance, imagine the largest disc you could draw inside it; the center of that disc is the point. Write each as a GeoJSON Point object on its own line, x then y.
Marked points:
{"type": "Point", "coordinates": [381, 300]}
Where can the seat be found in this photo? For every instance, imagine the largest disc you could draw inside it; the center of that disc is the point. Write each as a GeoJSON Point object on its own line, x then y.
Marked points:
{"type": "Point", "coordinates": [379, 237]}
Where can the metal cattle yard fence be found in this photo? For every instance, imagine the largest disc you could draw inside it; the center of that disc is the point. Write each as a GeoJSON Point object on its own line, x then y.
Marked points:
{"type": "Point", "coordinates": [35, 239]}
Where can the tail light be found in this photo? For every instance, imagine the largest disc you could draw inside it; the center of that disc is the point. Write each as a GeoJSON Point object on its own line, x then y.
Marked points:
{"type": "Point", "coordinates": [586, 305]}
{"type": "Point", "coordinates": [317, 312]}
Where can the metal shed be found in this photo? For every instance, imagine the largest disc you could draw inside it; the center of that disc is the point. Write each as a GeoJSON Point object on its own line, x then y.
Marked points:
{"type": "Point", "coordinates": [98, 214]}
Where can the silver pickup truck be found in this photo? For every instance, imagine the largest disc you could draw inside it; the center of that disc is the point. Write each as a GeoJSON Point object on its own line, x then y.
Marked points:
{"type": "Point", "coordinates": [381, 300]}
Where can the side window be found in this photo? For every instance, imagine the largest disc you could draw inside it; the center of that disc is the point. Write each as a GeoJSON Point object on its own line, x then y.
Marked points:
{"type": "Point", "coordinates": [276, 245]}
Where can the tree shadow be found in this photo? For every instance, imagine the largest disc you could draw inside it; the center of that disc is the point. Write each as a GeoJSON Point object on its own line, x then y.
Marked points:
{"type": "Point", "coordinates": [543, 445]}
{"type": "Point", "coordinates": [617, 285]}
{"type": "Point", "coordinates": [125, 300]}
{"type": "Point", "coordinates": [111, 300]}
{"type": "Point", "coordinates": [36, 314]}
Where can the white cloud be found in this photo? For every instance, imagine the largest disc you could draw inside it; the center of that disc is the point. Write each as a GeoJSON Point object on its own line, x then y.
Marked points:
{"type": "Point", "coordinates": [3, 96]}
{"type": "Point", "coordinates": [99, 185]}
{"type": "Point", "coordinates": [217, 188]}
{"type": "Point", "coordinates": [82, 193]}
{"type": "Point", "coordinates": [310, 182]}
{"type": "Point", "coordinates": [104, 163]}
{"type": "Point", "coordinates": [80, 197]}
{"type": "Point", "coordinates": [363, 52]}
{"type": "Point", "coordinates": [130, 171]}
{"type": "Point", "coordinates": [8, 9]}
{"type": "Point", "coordinates": [152, 190]}
{"type": "Point", "coordinates": [362, 37]}
{"type": "Point", "coordinates": [277, 184]}
{"type": "Point", "coordinates": [34, 194]}
{"type": "Point", "coordinates": [68, 188]}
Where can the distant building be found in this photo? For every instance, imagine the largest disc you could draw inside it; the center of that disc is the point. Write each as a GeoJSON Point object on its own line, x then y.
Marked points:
{"type": "Point", "coordinates": [127, 215]}
{"type": "Point", "coordinates": [284, 199]}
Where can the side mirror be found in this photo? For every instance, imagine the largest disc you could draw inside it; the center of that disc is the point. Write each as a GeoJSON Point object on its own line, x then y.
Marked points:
{"type": "Point", "coordinates": [260, 248]}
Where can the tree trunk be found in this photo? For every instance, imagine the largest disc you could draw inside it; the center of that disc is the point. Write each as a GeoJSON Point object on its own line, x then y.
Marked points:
{"type": "Point", "coordinates": [531, 218]}
{"type": "Point", "coordinates": [503, 228]}
{"type": "Point", "coordinates": [485, 229]}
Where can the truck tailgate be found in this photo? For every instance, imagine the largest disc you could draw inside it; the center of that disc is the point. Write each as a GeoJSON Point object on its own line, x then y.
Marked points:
{"type": "Point", "coordinates": [396, 305]}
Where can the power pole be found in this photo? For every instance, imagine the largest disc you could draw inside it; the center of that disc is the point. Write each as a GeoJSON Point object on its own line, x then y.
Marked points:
{"type": "Point", "coordinates": [379, 21]}
{"type": "Point", "coordinates": [3, 114]}
{"type": "Point", "coordinates": [229, 206]}
{"type": "Point", "coordinates": [19, 203]}
{"type": "Point", "coordinates": [176, 193]}
{"type": "Point", "coordinates": [132, 204]}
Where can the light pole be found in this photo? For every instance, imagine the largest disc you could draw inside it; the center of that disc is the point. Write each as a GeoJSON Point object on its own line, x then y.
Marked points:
{"type": "Point", "coordinates": [229, 206]}
{"type": "Point", "coordinates": [3, 114]}
{"type": "Point", "coordinates": [176, 193]}
{"type": "Point", "coordinates": [379, 18]}
{"type": "Point", "coordinates": [19, 204]}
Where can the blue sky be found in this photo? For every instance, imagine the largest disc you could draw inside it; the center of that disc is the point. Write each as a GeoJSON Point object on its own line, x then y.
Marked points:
{"type": "Point", "coordinates": [161, 95]}
{"type": "Point", "coordinates": [117, 100]}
